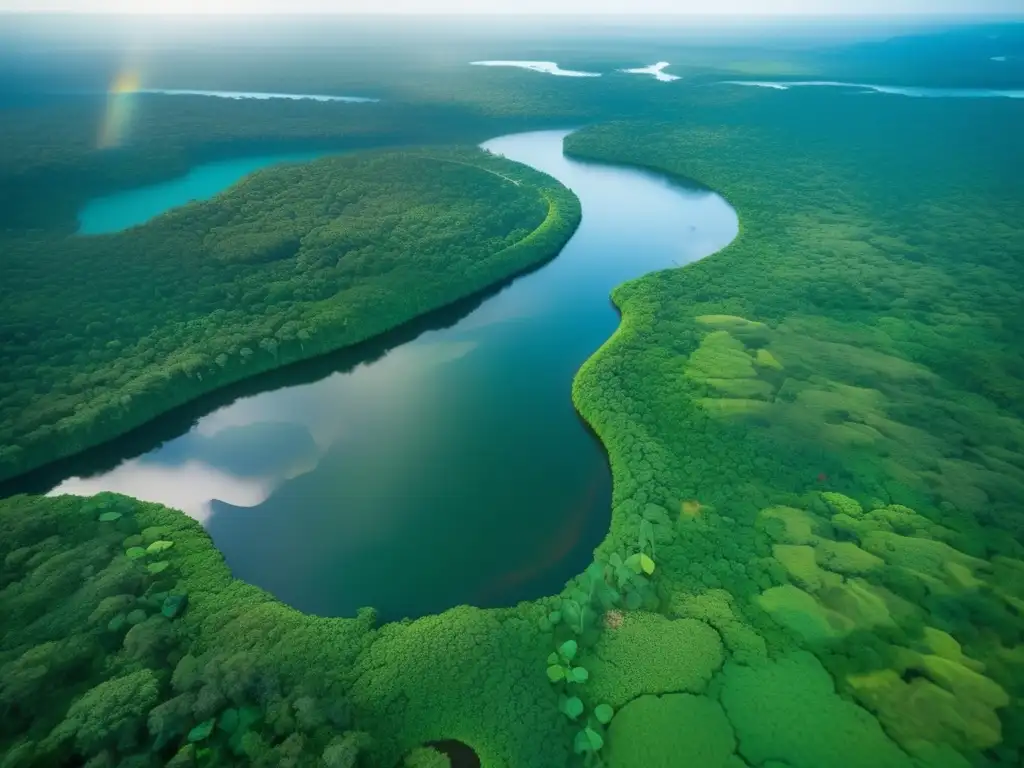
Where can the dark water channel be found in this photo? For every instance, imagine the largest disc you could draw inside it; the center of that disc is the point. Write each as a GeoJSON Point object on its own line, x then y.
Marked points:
{"type": "Point", "coordinates": [443, 464]}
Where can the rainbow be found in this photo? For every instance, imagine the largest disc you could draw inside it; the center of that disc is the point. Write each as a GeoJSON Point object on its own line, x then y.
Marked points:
{"type": "Point", "coordinates": [120, 108]}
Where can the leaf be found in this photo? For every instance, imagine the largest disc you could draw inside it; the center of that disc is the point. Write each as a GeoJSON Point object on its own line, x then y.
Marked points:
{"type": "Point", "coordinates": [555, 616]}
{"type": "Point", "coordinates": [201, 731]}
{"type": "Point", "coordinates": [134, 553]}
{"type": "Point", "coordinates": [595, 573]}
{"type": "Point", "coordinates": [615, 560]}
{"type": "Point", "coordinates": [571, 611]}
{"type": "Point", "coordinates": [579, 675]}
{"type": "Point", "coordinates": [229, 720]}
{"type": "Point", "coordinates": [174, 605]}
{"type": "Point", "coordinates": [603, 713]}
{"type": "Point", "coordinates": [109, 517]}
{"type": "Point", "coordinates": [647, 564]}
{"type": "Point", "coordinates": [568, 649]}
{"type": "Point", "coordinates": [159, 546]}
{"type": "Point", "coordinates": [588, 740]}
{"type": "Point", "coordinates": [247, 716]}
{"type": "Point", "coordinates": [553, 658]}
{"type": "Point", "coordinates": [158, 567]}
{"type": "Point", "coordinates": [633, 600]}
{"type": "Point", "coordinates": [607, 596]}
{"type": "Point", "coordinates": [571, 707]}
{"type": "Point", "coordinates": [556, 673]}
{"type": "Point", "coordinates": [633, 563]}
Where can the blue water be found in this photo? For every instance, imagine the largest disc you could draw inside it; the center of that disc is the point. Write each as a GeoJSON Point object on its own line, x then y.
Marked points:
{"type": "Point", "coordinates": [447, 467]}
{"type": "Point", "coordinates": [132, 207]}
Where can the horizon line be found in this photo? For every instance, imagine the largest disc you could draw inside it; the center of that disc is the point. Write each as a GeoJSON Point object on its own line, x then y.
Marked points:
{"type": "Point", "coordinates": [595, 14]}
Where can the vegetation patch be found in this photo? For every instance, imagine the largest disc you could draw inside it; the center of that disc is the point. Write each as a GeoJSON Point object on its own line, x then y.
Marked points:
{"type": "Point", "coordinates": [291, 263]}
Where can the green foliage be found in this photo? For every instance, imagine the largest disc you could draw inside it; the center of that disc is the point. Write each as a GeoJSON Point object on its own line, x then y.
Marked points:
{"type": "Point", "coordinates": [672, 730]}
{"type": "Point", "coordinates": [570, 706]}
{"type": "Point", "coordinates": [860, 337]}
{"type": "Point", "coordinates": [291, 263]}
{"type": "Point", "coordinates": [587, 740]}
{"type": "Point", "coordinates": [604, 713]}
{"type": "Point", "coordinates": [426, 757]}
{"type": "Point", "coordinates": [202, 731]}
{"type": "Point", "coordinates": [108, 713]}
{"type": "Point", "coordinates": [174, 605]}
{"type": "Point", "coordinates": [629, 577]}
{"type": "Point", "coordinates": [560, 666]}
{"type": "Point", "coordinates": [567, 650]}
{"type": "Point", "coordinates": [762, 701]}
{"type": "Point", "coordinates": [344, 751]}
{"type": "Point", "coordinates": [644, 656]}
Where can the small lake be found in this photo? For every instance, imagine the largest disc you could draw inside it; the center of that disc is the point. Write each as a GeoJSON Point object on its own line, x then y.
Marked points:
{"type": "Point", "coordinates": [442, 464]}
{"type": "Point", "coordinates": [122, 210]}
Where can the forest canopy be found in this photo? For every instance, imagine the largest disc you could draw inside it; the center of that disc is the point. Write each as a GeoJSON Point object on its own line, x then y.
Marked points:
{"type": "Point", "coordinates": [101, 333]}
{"type": "Point", "coordinates": [824, 423]}
{"type": "Point", "coordinates": [816, 553]}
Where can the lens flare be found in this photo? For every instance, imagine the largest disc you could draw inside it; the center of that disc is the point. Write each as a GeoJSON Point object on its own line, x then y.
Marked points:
{"type": "Point", "coordinates": [120, 107]}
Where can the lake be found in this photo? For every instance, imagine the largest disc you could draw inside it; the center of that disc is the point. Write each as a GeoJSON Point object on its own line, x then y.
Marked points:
{"type": "Point", "coordinates": [442, 464]}
{"type": "Point", "coordinates": [121, 210]}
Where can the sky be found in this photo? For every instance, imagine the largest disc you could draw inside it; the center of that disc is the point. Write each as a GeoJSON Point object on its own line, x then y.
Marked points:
{"type": "Point", "coordinates": [703, 7]}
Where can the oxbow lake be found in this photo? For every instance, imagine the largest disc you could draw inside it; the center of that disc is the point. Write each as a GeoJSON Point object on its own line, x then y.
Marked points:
{"type": "Point", "coordinates": [443, 464]}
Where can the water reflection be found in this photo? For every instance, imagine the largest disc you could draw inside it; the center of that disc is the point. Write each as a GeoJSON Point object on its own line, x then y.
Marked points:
{"type": "Point", "coordinates": [444, 464]}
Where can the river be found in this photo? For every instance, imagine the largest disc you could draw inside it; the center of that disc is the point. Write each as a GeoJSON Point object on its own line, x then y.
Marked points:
{"type": "Point", "coordinates": [443, 464]}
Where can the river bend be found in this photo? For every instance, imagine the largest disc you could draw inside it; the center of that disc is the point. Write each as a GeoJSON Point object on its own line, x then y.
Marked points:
{"type": "Point", "coordinates": [443, 464]}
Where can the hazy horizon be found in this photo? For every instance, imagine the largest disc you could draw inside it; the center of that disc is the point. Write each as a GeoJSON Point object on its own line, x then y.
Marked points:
{"type": "Point", "coordinates": [632, 8]}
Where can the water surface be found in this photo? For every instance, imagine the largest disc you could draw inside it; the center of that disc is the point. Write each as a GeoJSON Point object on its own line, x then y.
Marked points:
{"type": "Point", "coordinates": [445, 464]}
{"type": "Point", "coordinates": [656, 70]}
{"type": "Point", "coordinates": [547, 67]}
{"type": "Point", "coordinates": [121, 210]}
{"type": "Point", "coordinates": [899, 90]}
{"type": "Point", "coordinates": [259, 95]}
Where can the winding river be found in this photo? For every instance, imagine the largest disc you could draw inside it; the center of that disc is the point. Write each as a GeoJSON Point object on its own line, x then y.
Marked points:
{"type": "Point", "coordinates": [440, 465]}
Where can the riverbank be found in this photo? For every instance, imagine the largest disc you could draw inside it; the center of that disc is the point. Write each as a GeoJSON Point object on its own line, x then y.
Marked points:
{"type": "Point", "coordinates": [253, 259]}
{"type": "Point", "coordinates": [483, 389]}
{"type": "Point", "coordinates": [806, 414]}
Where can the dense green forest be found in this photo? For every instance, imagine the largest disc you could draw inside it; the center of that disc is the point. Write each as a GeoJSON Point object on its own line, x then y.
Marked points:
{"type": "Point", "coordinates": [51, 164]}
{"type": "Point", "coordinates": [861, 335]}
{"type": "Point", "coordinates": [816, 555]}
{"type": "Point", "coordinates": [290, 263]}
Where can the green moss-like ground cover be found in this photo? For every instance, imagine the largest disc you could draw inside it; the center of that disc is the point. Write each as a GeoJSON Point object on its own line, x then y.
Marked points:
{"type": "Point", "coordinates": [862, 336]}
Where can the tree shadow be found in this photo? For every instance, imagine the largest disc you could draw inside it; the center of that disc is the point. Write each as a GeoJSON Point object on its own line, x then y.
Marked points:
{"type": "Point", "coordinates": [179, 421]}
